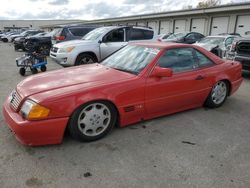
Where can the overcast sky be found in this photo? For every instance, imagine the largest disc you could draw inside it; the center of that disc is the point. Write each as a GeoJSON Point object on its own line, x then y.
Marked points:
{"type": "Point", "coordinates": [89, 9]}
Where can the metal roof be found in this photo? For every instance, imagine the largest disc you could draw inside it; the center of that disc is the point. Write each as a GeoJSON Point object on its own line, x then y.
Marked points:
{"type": "Point", "coordinates": [220, 8]}
{"type": "Point", "coordinates": [195, 11]}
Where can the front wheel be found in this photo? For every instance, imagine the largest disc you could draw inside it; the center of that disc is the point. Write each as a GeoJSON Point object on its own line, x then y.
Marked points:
{"type": "Point", "coordinates": [218, 94]}
{"type": "Point", "coordinates": [92, 121]}
{"type": "Point", "coordinates": [84, 59]}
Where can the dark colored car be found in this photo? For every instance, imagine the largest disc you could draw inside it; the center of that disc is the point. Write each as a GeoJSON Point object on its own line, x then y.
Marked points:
{"type": "Point", "coordinates": [240, 51]}
{"type": "Point", "coordinates": [19, 41]}
{"type": "Point", "coordinates": [25, 34]}
{"type": "Point", "coordinates": [70, 33]}
{"type": "Point", "coordinates": [187, 38]}
{"type": "Point", "coordinates": [39, 43]}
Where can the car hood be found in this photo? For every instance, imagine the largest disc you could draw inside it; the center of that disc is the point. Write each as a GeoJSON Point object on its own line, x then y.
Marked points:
{"type": "Point", "coordinates": [206, 46]}
{"type": "Point", "coordinates": [73, 43]}
{"type": "Point", "coordinates": [19, 39]}
{"type": "Point", "coordinates": [86, 76]}
{"type": "Point", "coordinates": [16, 36]}
{"type": "Point", "coordinates": [38, 37]}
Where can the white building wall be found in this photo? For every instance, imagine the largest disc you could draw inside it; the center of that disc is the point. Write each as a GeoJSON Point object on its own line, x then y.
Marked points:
{"type": "Point", "coordinates": [35, 24]}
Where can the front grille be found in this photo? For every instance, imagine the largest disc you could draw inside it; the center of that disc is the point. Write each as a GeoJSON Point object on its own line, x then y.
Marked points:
{"type": "Point", "coordinates": [15, 100]}
{"type": "Point", "coordinates": [54, 49]}
{"type": "Point", "coordinates": [244, 48]}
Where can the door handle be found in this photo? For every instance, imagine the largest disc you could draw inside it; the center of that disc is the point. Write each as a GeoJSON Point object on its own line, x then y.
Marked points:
{"type": "Point", "coordinates": [199, 77]}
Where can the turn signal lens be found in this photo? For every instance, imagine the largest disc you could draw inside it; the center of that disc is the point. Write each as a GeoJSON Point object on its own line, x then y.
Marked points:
{"type": "Point", "coordinates": [38, 112]}
{"type": "Point", "coordinates": [33, 111]}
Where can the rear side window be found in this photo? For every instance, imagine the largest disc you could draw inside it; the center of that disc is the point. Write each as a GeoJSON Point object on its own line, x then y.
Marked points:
{"type": "Point", "coordinates": [140, 34]}
{"type": "Point", "coordinates": [148, 34]}
{"type": "Point", "coordinates": [178, 59]}
{"type": "Point", "coordinates": [79, 31]}
{"type": "Point", "coordinates": [203, 60]}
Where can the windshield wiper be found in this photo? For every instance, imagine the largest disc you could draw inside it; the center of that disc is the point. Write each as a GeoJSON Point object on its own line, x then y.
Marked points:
{"type": "Point", "coordinates": [125, 70]}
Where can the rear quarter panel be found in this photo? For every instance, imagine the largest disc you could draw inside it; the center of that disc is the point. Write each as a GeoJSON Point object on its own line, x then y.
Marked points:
{"type": "Point", "coordinates": [228, 70]}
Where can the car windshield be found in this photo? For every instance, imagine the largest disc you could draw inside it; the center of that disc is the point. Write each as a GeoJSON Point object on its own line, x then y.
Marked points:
{"type": "Point", "coordinates": [212, 40]}
{"type": "Point", "coordinates": [131, 59]}
{"type": "Point", "coordinates": [176, 36]}
{"type": "Point", "coordinates": [24, 33]}
{"type": "Point", "coordinates": [96, 33]}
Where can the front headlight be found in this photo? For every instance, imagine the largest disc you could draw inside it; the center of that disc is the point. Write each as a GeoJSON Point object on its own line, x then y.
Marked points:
{"type": "Point", "coordinates": [32, 111]}
{"type": "Point", "coordinates": [66, 50]}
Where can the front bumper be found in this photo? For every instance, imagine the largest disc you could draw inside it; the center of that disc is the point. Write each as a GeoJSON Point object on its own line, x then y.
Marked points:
{"type": "Point", "coordinates": [18, 45]}
{"type": "Point", "coordinates": [63, 59]}
{"type": "Point", "coordinates": [35, 133]}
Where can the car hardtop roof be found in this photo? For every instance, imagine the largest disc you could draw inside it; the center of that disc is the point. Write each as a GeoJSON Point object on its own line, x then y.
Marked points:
{"type": "Point", "coordinates": [128, 26]}
{"type": "Point", "coordinates": [221, 36]}
{"type": "Point", "coordinates": [162, 45]}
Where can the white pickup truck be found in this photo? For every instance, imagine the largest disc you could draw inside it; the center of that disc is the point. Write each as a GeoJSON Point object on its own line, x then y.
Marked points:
{"type": "Point", "coordinates": [98, 44]}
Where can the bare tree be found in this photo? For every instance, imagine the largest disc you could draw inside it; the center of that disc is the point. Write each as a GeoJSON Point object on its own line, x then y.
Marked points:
{"type": "Point", "coordinates": [208, 3]}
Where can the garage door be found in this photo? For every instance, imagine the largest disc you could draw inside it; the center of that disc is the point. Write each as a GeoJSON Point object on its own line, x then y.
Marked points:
{"type": "Point", "coordinates": [219, 25]}
{"type": "Point", "coordinates": [179, 26]}
{"type": "Point", "coordinates": [243, 25]}
{"type": "Point", "coordinates": [198, 25]}
{"type": "Point", "coordinates": [165, 27]}
{"type": "Point", "coordinates": [154, 25]}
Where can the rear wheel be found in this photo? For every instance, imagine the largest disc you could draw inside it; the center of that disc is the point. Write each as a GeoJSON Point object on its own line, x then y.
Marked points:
{"type": "Point", "coordinates": [92, 121]}
{"type": "Point", "coordinates": [22, 71]}
{"type": "Point", "coordinates": [43, 68]}
{"type": "Point", "coordinates": [84, 59]}
{"type": "Point", "coordinates": [218, 94]}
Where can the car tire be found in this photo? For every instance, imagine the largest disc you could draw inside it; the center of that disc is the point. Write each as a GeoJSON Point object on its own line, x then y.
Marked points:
{"type": "Point", "coordinates": [43, 68]}
{"type": "Point", "coordinates": [84, 59]}
{"type": "Point", "coordinates": [22, 71]}
{"type": "Point", "coordinates": [92, 121]}
{"type": "Point", "coordinates": [218, 94]}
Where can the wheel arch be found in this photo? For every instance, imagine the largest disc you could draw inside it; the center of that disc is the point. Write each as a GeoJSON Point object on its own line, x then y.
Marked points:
{"type": "Point", "coordinates": [100, 100]}
{"type": "Point", "coordinates": [89, 53]}
{"type": "Point", "coordinates": [229, 85]}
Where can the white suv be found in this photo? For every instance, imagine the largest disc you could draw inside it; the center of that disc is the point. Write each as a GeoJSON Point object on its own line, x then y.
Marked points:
{"type": "Point", "coordinates": [98, 44]}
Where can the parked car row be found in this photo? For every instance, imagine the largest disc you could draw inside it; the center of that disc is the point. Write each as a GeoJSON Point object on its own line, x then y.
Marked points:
{"type": "Point", "coordinates": [83, 44]}
{"type": "Point", "coordinates": [98, 44]}
{"type": "Point", "coordinates": [40, 40]}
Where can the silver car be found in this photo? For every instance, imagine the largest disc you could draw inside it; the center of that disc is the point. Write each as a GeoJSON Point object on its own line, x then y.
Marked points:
{"type": "Point", "coordinates": [98, 44]}
{"type": "Point", "coordinates": [217, 44]}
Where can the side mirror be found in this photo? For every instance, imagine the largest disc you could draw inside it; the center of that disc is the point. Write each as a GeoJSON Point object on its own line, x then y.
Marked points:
{"type": "Point", "coordinates": [162, 72]}
{"type": "Point", "coordinates": [100, 41]}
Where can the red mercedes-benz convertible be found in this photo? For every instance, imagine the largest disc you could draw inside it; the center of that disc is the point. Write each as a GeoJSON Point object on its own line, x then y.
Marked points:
{"type": "Point", "coordinates": [139, 82]}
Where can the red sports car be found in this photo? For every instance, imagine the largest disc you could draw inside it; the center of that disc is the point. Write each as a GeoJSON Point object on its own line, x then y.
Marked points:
{"type": "Point", "coordinates": [139, 82]}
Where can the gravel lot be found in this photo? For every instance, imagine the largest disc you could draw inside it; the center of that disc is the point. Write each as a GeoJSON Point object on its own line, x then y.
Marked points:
{"type": "Point", "coordinates": [197, 148]}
